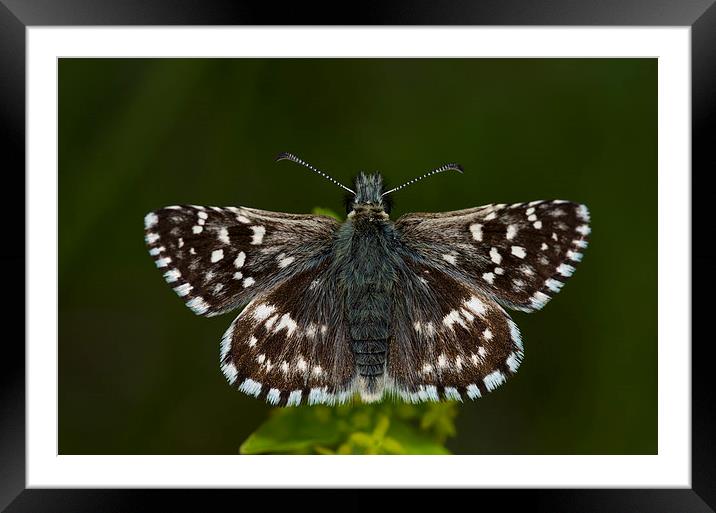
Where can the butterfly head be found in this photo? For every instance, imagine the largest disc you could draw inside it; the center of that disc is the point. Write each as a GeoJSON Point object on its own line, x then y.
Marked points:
{"type": "Point", "coordinates": [368, 199]}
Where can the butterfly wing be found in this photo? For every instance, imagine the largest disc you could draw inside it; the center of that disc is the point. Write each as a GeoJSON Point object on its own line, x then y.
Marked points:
{"type": "Point", "coordinates": [450, 339]}
{"type": "Point", "coordinates": [519, 254]}
{"type": "Point", "coordinates": [216, 259]}
{"type": "Point", "coordinates": [291, 343]}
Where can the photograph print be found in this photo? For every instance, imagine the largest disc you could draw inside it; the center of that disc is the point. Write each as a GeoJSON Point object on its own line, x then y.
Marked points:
{"type": "Point", "coordinates": [358, 256]}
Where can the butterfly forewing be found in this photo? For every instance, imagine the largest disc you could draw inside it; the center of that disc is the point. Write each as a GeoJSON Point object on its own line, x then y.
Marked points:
{"type": "Point", "coordinates": [291, 344]}
{"type": "Point", "coordinates": [520, 254]}
{"type": "Point", "coordinates": [217, 258]}
{"type": "Point", "coordinates": [451, 340]}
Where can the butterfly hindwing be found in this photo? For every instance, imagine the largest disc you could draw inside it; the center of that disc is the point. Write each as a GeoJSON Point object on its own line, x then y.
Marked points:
{"type": "Point", "coordinates": [291, 344]}
{"type": "Point", "coordinates": [451, 340]}
{"type": "Point", "coordinates": [217, 258]}
{"type": "Point", "coordinates": [520, 254]}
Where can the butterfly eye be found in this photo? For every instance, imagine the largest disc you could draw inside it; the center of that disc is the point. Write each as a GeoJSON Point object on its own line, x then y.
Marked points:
{"type": "Point", "coordinates": [348, 202]}
{"type": "Point", "coordinates": [387, 204]}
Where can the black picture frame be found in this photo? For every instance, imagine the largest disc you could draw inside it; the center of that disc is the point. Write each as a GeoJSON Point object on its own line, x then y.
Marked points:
{"type": "Point", "coordinates": [17, 15]}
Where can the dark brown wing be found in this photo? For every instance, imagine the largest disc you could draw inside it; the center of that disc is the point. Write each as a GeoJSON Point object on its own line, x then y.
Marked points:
{"type": "Point", "coordinates": [218, 258]}
{"type": "Point", "coordinates": [519, 254]}
{"type": "Point", "coordinates": [451, 340]}
{"type": "Point", "coordinates": [291, 343]}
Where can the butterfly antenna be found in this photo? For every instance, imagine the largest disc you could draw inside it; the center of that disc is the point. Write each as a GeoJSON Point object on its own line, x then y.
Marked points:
{"type": "Point", "coordinates": [446, 167]}
{"type": "Point", "coordinates": [294, 158]}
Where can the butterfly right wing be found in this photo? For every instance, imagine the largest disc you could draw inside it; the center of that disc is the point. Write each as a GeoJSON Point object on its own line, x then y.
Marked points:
{"type": "Point", "coordinates": [519, 254]}
{"type": "Point", "coordinates": [291, 344]}
{"type": "Point", "coordinates": [450, 339]}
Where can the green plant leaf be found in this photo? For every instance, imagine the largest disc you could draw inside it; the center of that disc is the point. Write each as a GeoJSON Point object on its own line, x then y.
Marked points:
{"type": "Point", "coordinates": [412, 441]}
{"type": "Point", "coordinates": [295, 431]}
{"type": "Point", "coordinates": [320, 211]}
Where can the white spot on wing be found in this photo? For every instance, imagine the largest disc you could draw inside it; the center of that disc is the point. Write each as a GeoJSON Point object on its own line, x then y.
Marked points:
{"type": "Point", "coordinates": [553, 285]}
{"type": "Point", "coordinates": [449, 258]}
{"type": "Point", "coordinates": [495, 256]}
{"type": "Point", "coordinates": [230, 372]}
{"type": "Point", "coordinates": [515, 333]}
{"type": "Point", "coordinates": [285, 262]}
{"type": "Point", "coordinates": [150, 220]}
{"type": "Point", "coordinates": [239, 261]}
{"type": "Point", "coordinates": [151, 238]}
{"type": "Point", "coordinates": [584, 229]}
{"type": "Point", "coordinates": [473, 391]}
{"type": "Point", "coordinates": [494, 380]}
{"type": "Point", "coordinates": [263, 312]}
{"type": "Point", "coordinates": [518, 251]}
{"type": "Point", "coordinates": [476, 230]}
{"type": "Point", "coordinates": [476, 305]}
{"type": "Point", "coordinates": [217, 255]}
{"type": "Point", "coordinates": [513, 361]}
{"type": "Point", "coordinates": [183, 289]}
{"type": "Point", "coordinates": [248, 281]}
{"type": "Point", "coordinates": [250, 387]}
{"type": "Point", "coordinates": [539, 300]}
{"type": "Point", "coordinates": [301, 364]}
{"type": "Point", "coordinates": [489, 278]}
{"type": "Point", "coordinates": [452, 318]}
{"type": "Point", "coordinates": [273, 396]}
{"type": "Point", "coordinates": [294, 398]}
{"type": "Point", "coordinates": [224, 235]}
{"type": "Point", "coordinates": [286, 322]}
{"type": "Point", "coordinates": [583, 213]}
{"type": "Point", "coordinates": [452, 393]}
{"type": "Point", "coordinates": [575, 256]}
{"type": "Point", "coordinates": [565, 270]}
{"type": "Point", "coordinates": [172, 275]}
{"type": "Point", "coordinates": [258, 236]}
{"type": "Point", "coordinates": [197, 228]}
{"type": "Point", "coordinates": [198, 305]}
{"type": "Point", "coordinates": [511, 231]}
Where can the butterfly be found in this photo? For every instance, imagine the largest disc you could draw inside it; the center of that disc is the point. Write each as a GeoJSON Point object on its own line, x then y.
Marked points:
{"type": "Point", "coordinates": [413, 309]}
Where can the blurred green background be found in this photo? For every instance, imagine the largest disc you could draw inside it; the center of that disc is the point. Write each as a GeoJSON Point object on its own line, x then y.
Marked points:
{"type": "Point", "coordinates": [139, 373]}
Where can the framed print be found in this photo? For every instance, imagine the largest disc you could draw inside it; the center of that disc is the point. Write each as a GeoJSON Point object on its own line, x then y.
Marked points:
{"type": "Point", "coordinates": [431, 250]}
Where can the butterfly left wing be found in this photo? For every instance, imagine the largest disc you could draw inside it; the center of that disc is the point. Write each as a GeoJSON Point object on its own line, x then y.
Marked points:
{"type": "Point", "coordinates": [450, 339]}
{"type": "Point", "coordinates": [291, 344]}
{"type": "Point", "coordinates": [519, 254]}
{"type": "Point", "coordinates": [218, 258]}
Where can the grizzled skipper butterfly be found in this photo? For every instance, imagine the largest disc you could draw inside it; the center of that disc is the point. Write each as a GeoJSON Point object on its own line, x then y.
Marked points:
{"type": "Point", "coordinates": [413, 309]}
